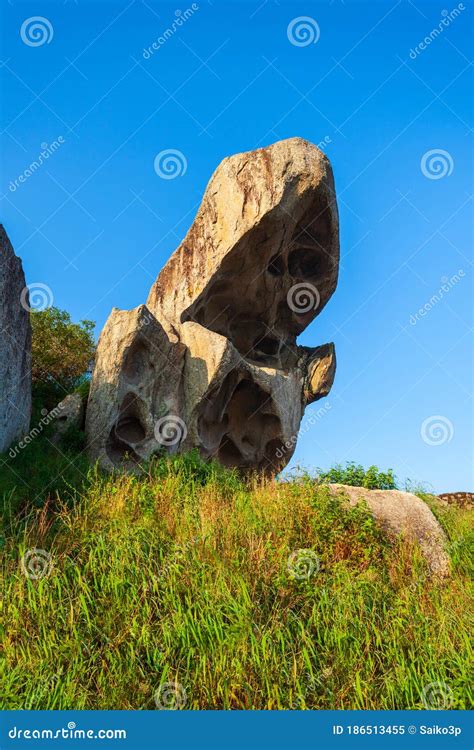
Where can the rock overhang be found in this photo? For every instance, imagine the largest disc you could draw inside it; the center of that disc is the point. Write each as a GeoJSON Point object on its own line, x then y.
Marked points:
{"type": "Point", "coordinates": [258, 264]}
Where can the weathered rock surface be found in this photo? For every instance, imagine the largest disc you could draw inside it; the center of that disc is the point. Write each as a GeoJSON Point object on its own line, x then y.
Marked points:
{"type": "Point", "coordinates": [258, 264]}
{"type": "Point", "coordinates": [15, 347]}
{"type": "Point", "coordinates": [404, 514]}
{"type": "Point", "coordinates": [137, 382]}
{"type": "Point", "coordinates": [267, 223]}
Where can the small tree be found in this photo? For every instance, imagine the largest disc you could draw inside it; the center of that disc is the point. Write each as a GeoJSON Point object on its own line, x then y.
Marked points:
{"type": "Point", "coordinates": [62, 354]}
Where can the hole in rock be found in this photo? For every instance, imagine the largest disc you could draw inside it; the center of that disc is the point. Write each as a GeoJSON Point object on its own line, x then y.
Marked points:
{"type": "Point", "coordinates": [245, 297]}
{"type": "Point", "coordinates": [267, 346]}
{"type": "Point", "coordinates": [228, 454]}
{"type": "Point", "coordinates": [304, 263]}
{"type": "Point", "coordinates": [244, 331]}
{"type": "Point", "coordinates": [119, 451]}
{"type": "Point", "coordinates": [237, 422]}
{"type": "Point", "coordinates": [129, 427]}
{"type": "Point", "coordinates": [314, 230]}
{"type": "Point", "coordinates": [276, 267]}
{"type": "Point", "coordinates": [137, 365]}
{"type": "Point", "coordinates": [272, 460]}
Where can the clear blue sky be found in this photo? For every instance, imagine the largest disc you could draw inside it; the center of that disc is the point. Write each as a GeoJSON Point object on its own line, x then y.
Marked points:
{"type": "Point", "coordinates": [95, 223]}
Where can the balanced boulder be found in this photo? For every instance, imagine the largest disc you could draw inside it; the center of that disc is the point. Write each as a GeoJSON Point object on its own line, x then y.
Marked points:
{"type": "Point", "coordinates": [222, 371]}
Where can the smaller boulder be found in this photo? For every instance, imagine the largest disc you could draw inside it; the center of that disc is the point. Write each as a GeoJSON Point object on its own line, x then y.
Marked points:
{"type": "Point", "coordinates": [70, 413]}
{"type": "Point", "coordinates": [403, 514]}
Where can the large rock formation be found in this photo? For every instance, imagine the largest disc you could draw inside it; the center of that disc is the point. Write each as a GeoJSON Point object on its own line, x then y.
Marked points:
{"type": "Point", "coordinates": [15, 347]}
{"type": "Point", "coordinates": [213, 355]}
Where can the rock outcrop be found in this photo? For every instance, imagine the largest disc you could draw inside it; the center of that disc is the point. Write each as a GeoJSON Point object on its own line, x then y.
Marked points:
{"type": "Point", "coordinates": [15, 347]}
{"type": "Point", "coordinates": [403, 514]}
{"type": "Point", "coordinates": [217, 366]}
{"type": "Point", "coordinates": [461, 499]}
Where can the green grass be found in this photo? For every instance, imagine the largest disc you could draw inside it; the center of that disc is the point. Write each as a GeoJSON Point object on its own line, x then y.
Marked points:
{"type": "Point", "coordinates": [181, 576]}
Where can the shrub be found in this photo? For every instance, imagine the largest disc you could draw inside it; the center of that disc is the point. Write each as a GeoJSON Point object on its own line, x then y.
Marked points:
{"type": "Point", "coordinates": [356, 476]}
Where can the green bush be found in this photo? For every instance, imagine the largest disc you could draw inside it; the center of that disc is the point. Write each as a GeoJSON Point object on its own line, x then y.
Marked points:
{"type": "Point", "coordinates": [356, 476]}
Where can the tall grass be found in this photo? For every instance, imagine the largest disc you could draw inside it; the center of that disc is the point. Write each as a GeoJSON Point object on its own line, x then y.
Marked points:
{"type": "Point", "coordinates": [182, 576]}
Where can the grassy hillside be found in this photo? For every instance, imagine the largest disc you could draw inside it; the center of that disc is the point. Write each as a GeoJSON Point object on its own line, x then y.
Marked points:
{"type": "Point", "coordinates": [187, 588]}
